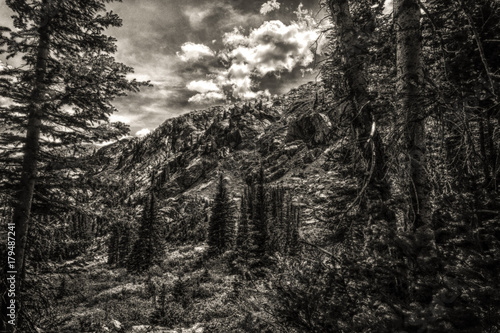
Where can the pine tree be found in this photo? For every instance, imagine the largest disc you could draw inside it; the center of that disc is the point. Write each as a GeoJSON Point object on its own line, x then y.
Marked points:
{"type": "Point", "coordinates": [119, 244]}
{"type": "Point", "coordinates": [61, 96]}
{"type": "Point", "coordinates": [293, 245]}
{"type": "Point", "coordinates": [352, 62]}
{"type": "Point", "coordinates": [149, 246]}
{"type": "Point", "coordinates": [222, 221]}
{"type": "Point", "coordinates": [260, 218]}
{"type": "Point", "coordinates": [245, 237]}
{"type": "Point", "coordinates": [113, 241]}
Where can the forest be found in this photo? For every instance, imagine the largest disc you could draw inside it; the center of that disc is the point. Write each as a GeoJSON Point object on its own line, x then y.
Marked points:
{"type": "Point", "coordinates": [365, 200]}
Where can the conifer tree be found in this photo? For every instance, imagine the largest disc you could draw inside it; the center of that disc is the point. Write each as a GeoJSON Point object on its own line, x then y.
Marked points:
{"type": "Point", "coordinates": [60, 97]}
{"type": "Point", "coordinates": [148, 248]}
{"type": "Point", "coordinates": [119, 244]}
{"type": "Point", "coordinates": [353, 59]}
{"type": "Point", "coordinates": [245, 237]}
{"type": "Point", "coordinates": [222, 221]}
{"type": "Point", "coordinates": [293, 245]}
{"type": "Point", "coordinates": [260, 214]}
{"type": "Point", "coordinates": [114, 237]}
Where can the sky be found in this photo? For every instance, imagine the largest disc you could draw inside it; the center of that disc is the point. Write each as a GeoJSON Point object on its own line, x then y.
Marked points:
{"type": "Point", "coordinates": [192, 54]}
{"type": "Point", "coordinates": [196, 53]}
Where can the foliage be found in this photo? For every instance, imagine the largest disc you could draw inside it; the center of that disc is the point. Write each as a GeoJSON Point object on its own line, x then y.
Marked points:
{"type": "Point", "coordinates": [148, 249]}
{"type": "Point", "coordinates": [189, 222]}
{"type": "Point", "coordinates": [119, 244]}
{"type": "Point", "coordinates": [59, 98]}
{"type": "Point", "coordinates": [222, 222]}
{"type": "Point", "coordinates": [379, 273]}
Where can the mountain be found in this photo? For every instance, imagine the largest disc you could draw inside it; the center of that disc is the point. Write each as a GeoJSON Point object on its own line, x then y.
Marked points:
{"type": "Point", "coordinates": [293, 137]}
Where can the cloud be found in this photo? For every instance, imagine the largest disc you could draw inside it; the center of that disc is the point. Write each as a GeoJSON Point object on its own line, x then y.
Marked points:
{"type": "Point", "coordinates": [269, 7]}
{"type": "Point", "coordinates": [218, 15]}
{"type": "Point", "coordinates": [151, 41]}
{"type": "Point", "coordinates": [196, 17]}
{"type": "Point", "coordinates": [234, 38]}
{"type": "Point", "coordinates": [275, 46]}
{"type": "Point", "coordinates": [207, 98]}
{"type": "Point", "coordinates": [203, 86]}
{"type": "Point", "coordinates": [143, 132]}
{"type": "Point", "coordinates": [152, 106]}
{"type": "Point", "coordinates": [248, 58]}
{"type": "Point", "coordinates": [192, 52]}
{"type": "Point", "coordinates": [120, 118]}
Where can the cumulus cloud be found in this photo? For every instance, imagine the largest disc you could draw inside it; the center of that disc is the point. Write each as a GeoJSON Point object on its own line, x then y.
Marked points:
{"type": "Point", "coordinates": [218, 15]}
{"type": "Point", "coordinates": [193, 52]}
{"type": "Point", "coordinates": [275, 46]}
{"type": "Point", "coordinates": [269, 7]}
{"type": "Point", "coordinates": [203, 86]}
{"type": "Point", "coordinates": [271, 48]}
{"type": "Point", "coordinates": [142, 132]}
{"type": "Point", "coordinates": [234, 38]}
{"type": "Point", "coordinates": [127, 119]}
{"type": "Point", "coordinates": [207, 98]}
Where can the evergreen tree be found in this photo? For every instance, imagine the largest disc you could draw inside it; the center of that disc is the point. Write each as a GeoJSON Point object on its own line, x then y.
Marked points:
{"type": "Point", "coordinates": [260, 218]}
{"type": "Point", "coordinates": [119, 244]}
{"type": "Point", "coordinates": [113, 241]}
{"type": "Point", "coordinates": [62, 92]}
{"type": "Point", "coordinates": [245, 237]}
{"type": "Point", "coordinates": [351, 58]}
{"type": "Point", "coordinates": [222, 221]}
{"type": "Point", "coordinates": [149, 246]}
{"type": "Point", "coordinates": [293, 244]}
{"type": "Point", "coordinates": [386, 276]}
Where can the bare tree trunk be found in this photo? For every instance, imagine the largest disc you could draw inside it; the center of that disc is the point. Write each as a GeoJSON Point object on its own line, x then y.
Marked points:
{"type": "Point", "coordinates": [409, 86]}
{"type": "Point", "coordinates": [22, 207]}
{"type": "Point", "coordinates": [363, 119]}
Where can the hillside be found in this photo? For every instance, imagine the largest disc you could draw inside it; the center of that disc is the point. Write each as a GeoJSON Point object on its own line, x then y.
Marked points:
{"type": "Point", "coordinates": [292, 136]}
{"type": "Point", "coordinates": [294, 139]}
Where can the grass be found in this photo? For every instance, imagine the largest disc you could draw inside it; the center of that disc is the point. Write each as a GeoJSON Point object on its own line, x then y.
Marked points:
{"type": "Point", "coordinates": [196, 290]}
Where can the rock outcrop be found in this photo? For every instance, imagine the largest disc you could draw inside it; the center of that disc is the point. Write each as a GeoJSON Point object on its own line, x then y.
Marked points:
{"type": "Point", "coordinates": [184, 155]}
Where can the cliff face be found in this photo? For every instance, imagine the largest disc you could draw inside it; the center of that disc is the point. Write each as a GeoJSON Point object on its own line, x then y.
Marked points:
{"type": "Point", "coordinates": [292, 136]}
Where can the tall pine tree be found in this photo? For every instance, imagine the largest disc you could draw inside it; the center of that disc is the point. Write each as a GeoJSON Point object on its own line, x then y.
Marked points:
{"type": "Point", "coordinates": [149, 247]}
{"type": "Point", "coordinates": [260, 214]}
{"type": "Point", "coordinates": [60, 97]}
{"type": "Point", "coordinates": [222, 221]}
{"type": "Point", "coordinates": [245, 244]}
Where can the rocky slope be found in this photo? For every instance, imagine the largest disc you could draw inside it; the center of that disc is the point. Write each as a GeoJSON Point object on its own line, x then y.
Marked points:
{"type": "Point", "coordinates": [294, 137]}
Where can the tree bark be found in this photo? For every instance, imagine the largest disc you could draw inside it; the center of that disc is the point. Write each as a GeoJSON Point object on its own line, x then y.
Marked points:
{"type": "Point", "coordinates": [408, 87]}
{"type": "Point", "coordinates": [22, 206]}
{"type": "Point", "coordinates": [363, 117]}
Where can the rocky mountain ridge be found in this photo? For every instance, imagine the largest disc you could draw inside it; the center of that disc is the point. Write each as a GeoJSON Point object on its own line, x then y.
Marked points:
{"type": "Point", "coordinates": [293, 137]}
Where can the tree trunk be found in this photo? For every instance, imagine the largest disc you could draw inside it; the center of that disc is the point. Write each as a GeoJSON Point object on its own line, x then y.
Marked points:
{"type": "Point", "coordinates": [408, 87]}
{"type": "Point", "coordinates": [22, 207]}
{"type": "Point", "coordinates": [363, 119]}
